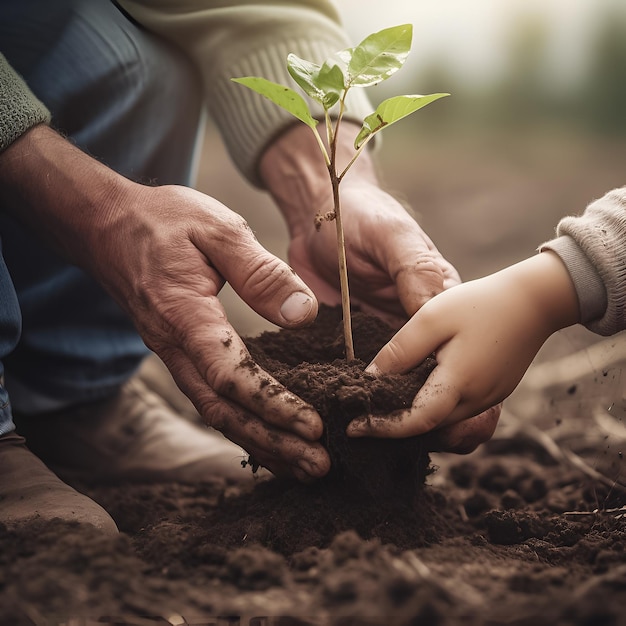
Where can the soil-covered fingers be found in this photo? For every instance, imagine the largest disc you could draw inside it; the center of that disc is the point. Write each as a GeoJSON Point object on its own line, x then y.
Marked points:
{"type": "Point", "coordinates": [281, 451]}
{"type": "Point", "coordinates": [223, 362]}
{"type": "Point", "coordinates": [457, 415]}
{"type": "Point", "coordinates": [432, 407]}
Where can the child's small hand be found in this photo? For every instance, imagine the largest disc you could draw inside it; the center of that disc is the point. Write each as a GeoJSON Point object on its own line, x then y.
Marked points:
{"type": "Point", "coordinates": [484, 334]}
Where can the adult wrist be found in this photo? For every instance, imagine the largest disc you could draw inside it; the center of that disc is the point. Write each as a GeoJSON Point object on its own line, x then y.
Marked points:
{"type": "Point", "coordinates": [66, 196]}
{"type": "Point", "coordinates": [294, 172]}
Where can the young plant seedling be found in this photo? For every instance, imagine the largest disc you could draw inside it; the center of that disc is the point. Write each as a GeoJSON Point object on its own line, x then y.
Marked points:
{"type": "Point", "coordinates": [375, 59]}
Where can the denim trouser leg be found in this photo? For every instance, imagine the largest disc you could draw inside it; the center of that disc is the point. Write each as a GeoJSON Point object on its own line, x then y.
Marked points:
{"type": "Point", "coordinates": [10, 324]}
{"type": "Point", "coordinates": [133, 102]}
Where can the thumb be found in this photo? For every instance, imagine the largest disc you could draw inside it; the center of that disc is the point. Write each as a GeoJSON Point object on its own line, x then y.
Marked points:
{"type": "Point", "coordinates": [427, 278]}
{"type": "Point", "coordinates": [270, 287]}
{"type": "Point", "coordinates": [406, 349]}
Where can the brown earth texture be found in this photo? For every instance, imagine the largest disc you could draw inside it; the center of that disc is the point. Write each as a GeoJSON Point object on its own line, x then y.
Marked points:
{"type": "Point", "coordinates": [524, 532]}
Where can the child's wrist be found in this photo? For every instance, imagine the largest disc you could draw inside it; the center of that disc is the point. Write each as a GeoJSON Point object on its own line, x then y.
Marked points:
{"type": "Point", "coordinates": [552, 288]}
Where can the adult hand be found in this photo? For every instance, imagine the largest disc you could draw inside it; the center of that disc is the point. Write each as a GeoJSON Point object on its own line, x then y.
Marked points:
{"type": "Point", "coordinates": [394, 267]}
{"type": "Point", "coordinates": [484, 334]}
{"type": "Point", "coordinates": [164, 253]}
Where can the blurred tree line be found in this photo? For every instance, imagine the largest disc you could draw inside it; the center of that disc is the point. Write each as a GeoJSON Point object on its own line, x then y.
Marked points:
{"type": "Point", "coordinates": [527, 91]}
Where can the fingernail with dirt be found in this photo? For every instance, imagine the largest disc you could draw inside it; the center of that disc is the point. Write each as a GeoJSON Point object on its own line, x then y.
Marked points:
{"type": "Point", "coordinates": [373, 369]}
{"type": "Point", "coordinates": [308, 424]}
{"type": "Point", "coordinates": [311, 470]}
{"type": "Point", "coordinates": [297, 307]}
{"type": "Point", "coordinates": [357, 428]}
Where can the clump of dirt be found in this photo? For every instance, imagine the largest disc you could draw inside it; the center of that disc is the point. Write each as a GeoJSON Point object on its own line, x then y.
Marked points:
{"type": "Point", "coordinates": [379, 469]}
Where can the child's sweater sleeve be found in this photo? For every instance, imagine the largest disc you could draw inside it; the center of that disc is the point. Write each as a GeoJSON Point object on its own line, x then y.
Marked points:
{"type": "Point", "coordinates": [593, 248]}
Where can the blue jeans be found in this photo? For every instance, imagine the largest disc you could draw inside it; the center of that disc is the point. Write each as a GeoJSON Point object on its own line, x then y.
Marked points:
{"type": "Point", "coordinates": [132, 101]}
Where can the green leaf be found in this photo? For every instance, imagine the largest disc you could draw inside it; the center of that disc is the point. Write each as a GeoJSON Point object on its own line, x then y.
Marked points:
{"type": "Point", "coordinates": [345, 55]}
{"type": "Point", "coordinates": [379, 56]}
{"type": "Point", "coordinates": [304, 73]}
{"type": "Point", "coordinates": [280, 95]}
{"type": "Point", "coordinates": [332, 80]}
{"type": "Point", "coordinates": [324, 84]}
{"type": "Point", "coordinates": [390, 111]}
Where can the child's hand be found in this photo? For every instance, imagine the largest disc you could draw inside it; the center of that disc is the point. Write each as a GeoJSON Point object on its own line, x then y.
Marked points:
{"type": "Point", "coordinates": [484, 334]}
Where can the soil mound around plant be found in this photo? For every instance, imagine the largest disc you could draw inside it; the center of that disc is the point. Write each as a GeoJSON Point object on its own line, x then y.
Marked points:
{"type": "Point", "coordinates": [384, 471]}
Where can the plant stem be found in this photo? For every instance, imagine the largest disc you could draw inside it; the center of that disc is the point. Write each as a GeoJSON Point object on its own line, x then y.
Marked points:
{"type": "Point", "coordinates": [343, 271]}
{"type": "Point", "coordinates": [322, 147]}
{"type": "Point", "coordinates": [330, 136]}
{"type": "Point", "coordinates": [341, 246]}
{"type": "Point", "coordinates": [354, 158]}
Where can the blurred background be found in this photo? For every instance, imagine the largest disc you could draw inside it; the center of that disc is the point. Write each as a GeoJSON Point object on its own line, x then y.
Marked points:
{"type": "Point", "coordinates": [535, 128]}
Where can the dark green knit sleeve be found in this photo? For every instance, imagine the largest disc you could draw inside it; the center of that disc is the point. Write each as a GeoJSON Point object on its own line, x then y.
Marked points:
{"type": "Point", "coordinates": [20, 110]}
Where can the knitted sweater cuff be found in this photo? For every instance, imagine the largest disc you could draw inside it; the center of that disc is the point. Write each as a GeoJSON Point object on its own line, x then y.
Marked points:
{"type": "Point", "coordinates": [20, 110]}
{"type": "Point", "coordinates": [592, 297]}
{"type": "Point", "coordinates": [248, 122]}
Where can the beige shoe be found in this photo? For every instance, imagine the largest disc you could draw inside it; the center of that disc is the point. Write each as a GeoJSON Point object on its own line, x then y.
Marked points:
{"type": "Point", "coordinates": [133, 437]}
{"type": "Point", "coordinates": [28, 489]}
{"type": "Point", "coordinates": [157, 378]}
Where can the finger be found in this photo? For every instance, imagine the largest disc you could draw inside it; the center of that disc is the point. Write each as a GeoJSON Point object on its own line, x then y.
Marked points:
{"type": "Point", "coordinates": [222, 361]}
{"type": "Point", "coordinates": [407, 348]}
{"type": "Point", "coordinates": [465, 436]}
{"type": "Point", "coordinates": [427, 275]}
{"type": "Point", "coordinates": [265, 282]}
{"type": "Point", "coordinates": [235, 375]}
{"type": "Point", "coordinates": [280, 451]}
{"type": "Point", "coordinates": [418, 269]}
{"type": "Point", "coordinates": [432, 405]}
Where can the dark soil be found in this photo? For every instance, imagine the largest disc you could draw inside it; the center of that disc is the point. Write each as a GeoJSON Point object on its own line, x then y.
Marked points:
{"type": "Point", "coordinates": [507, 535]}
{"type": "Point", "coordinates": [311, 363]}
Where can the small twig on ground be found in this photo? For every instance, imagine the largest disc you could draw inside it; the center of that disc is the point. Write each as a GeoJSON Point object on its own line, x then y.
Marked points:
{"type": "Point", "coordinates": [558, 453]}
{"type": "Point", "coordinates": [579, 463]}
{"type": "Point", "coordinates": [619, 513]}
